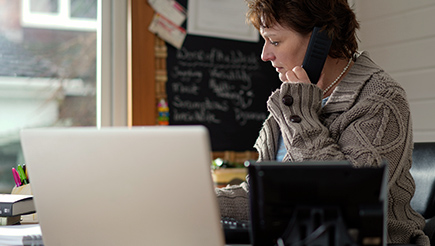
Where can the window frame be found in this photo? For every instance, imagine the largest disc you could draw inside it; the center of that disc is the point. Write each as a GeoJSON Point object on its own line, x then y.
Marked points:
{"type": "Point", "coordinates": [61, 20]}
{"type": "Point", "coordinates": [112, 63]}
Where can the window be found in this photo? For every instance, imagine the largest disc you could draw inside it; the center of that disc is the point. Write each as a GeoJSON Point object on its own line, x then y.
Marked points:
{"type": "Point", "coordinates": [60, 14]}
{"type": "Point", "coordinates": [52, 72]}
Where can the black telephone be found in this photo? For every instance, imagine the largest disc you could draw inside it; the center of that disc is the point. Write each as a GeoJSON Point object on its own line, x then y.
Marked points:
{"type": "Point", "coordinates": [317, 51]}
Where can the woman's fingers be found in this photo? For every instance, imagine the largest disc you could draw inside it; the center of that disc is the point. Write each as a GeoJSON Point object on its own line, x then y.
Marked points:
{"type": "Point", "coordinates": [297, 75]}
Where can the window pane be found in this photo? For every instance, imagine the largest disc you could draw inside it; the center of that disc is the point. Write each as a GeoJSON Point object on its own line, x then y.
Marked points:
{"type": "Point", "coordinates": [47, 78]}
{"type": "Point", "coordinates": [84, 9]}
{"type": "Point", "coordinates": [44, 6]}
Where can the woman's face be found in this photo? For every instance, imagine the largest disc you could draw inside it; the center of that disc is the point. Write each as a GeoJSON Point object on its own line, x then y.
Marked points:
{"type": "Point", "coordinates": [284, 48]}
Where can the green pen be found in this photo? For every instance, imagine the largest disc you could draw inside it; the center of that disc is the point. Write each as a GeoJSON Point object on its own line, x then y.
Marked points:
{"type": "Point", "coordinates": [22, 174]}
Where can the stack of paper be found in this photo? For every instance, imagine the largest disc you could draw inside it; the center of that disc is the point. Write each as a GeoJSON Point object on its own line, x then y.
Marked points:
{"type": "Point", "coordinates": [21, 235]}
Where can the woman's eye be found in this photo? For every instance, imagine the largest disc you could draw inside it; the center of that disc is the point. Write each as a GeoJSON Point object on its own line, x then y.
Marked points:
{"type": "Point", "coordinates": [273, 43]}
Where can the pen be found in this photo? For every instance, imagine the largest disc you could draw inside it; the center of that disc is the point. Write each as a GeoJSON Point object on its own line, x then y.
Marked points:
{"type": "Point", "coordinates": [22, 175]}
{"type": "Point", "coordinates": [16, 177]}
{"type": "Point", "coordinates": [25, 172]}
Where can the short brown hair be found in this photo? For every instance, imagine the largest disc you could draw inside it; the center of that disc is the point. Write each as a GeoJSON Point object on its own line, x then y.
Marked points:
{"type": "Point", "coordinates": [334, 16]}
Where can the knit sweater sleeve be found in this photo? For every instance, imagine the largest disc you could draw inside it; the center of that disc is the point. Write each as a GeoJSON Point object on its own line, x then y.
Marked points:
{"type": "Point", "coordinates": [296, 108]}
{"type": "Point", "coordinates": [234, 201]}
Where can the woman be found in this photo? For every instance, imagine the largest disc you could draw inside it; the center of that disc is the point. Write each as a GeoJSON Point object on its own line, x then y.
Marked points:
{"type": "Point", "coordinates": [356, 111]}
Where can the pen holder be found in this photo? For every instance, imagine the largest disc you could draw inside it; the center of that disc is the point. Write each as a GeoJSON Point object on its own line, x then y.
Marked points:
{"type": "Point", "coordinates": [22, 190]}
{"type": "Point", "coordinates": [25, 190]}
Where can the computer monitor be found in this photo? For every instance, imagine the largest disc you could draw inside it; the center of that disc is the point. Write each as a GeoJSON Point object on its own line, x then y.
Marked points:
{"type": "Point", "coordinates": [317, 203]}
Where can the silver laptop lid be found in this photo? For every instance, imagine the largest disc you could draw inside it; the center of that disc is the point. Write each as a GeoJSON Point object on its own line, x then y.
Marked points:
{"type": "Point", "coordinates": [123, 186]}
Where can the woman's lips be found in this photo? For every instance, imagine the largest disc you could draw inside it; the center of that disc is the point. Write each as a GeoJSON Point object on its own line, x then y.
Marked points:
{"type": "Point", "coordinates": [279, 69]}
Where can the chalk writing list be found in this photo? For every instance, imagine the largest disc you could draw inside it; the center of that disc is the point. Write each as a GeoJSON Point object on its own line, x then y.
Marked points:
{"type": "Point", "coordinates": [223, 85]}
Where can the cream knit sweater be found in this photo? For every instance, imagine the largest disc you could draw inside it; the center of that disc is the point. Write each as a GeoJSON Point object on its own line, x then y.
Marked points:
{"type": "Point", "coordinates": [365, 120]}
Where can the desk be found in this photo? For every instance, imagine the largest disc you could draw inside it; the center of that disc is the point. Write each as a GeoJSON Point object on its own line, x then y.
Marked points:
{"type": "Point", "coordinates": [30, 234]}
{"type": "Point", "coordinates": [16, 235]}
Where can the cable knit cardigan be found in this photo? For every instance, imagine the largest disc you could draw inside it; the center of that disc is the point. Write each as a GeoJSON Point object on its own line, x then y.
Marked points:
{"type": "Point", "coordinates": [366, 119]}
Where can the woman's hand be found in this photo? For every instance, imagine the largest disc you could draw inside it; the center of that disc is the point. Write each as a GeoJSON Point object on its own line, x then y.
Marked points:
{"type": "Point", "coordinates": [299, 75]}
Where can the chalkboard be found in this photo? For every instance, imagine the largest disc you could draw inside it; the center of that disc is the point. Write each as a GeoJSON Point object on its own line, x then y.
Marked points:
{"type": "Point", "coordinates": [223, 85]}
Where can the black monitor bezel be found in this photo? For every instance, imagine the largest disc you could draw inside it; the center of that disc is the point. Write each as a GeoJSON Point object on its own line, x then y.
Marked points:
{"type": "Point", "coordinates": [318, 184]}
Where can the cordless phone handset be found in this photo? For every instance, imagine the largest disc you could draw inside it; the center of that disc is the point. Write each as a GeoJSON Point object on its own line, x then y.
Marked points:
{"type": "Point", "coordinates": [317, 51]}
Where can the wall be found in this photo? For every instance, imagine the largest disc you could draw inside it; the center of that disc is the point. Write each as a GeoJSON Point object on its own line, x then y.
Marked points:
{"type": "Point", "coordinates": [400, 37]}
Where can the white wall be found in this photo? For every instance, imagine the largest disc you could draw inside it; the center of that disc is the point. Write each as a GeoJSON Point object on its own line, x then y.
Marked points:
{"type": "Point", "coordinates": [400, 37]}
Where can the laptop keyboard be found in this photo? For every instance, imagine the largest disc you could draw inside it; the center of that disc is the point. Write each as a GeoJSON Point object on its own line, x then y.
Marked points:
{"type": "Point", "coordinates": [236, 231]}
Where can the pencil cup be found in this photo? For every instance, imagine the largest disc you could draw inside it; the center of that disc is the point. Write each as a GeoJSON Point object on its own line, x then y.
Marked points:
{"type": "Point", "coordinates": [22, 190]}
{"type": "Point", "coordinates": [25, 190]}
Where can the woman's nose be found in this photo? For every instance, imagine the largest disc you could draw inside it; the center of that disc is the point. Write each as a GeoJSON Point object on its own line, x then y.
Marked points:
{"type": "Point", "coordinates": [266, 55]}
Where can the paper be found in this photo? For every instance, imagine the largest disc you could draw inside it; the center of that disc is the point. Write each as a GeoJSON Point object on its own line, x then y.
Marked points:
{"type": "Point", "coordinates": [15, 234]}
{"type": "Point", "coordinates": [167, 30]}
{"type": "Point", "coordinates": [221, 19]}
{"type": "Point", "coordinates": [171, 9]}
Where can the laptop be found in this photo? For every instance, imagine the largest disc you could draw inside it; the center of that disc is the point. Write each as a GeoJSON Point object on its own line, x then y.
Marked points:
{"type": "Point", "coordinates": [123, 186]}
